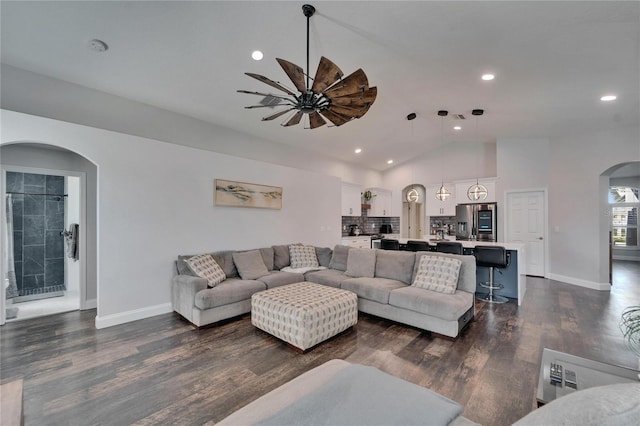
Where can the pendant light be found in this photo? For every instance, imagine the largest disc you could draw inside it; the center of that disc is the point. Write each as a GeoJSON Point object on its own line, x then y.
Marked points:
{"type": "Point", "coordinates": [412, 195]}
{"type": "Point", "coordinates": [442, 193]}
{"type": "Point", "coordinates": [477, 192]}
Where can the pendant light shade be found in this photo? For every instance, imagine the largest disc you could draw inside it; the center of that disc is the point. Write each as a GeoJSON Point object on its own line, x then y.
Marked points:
{"type": "Point", "coordinates": [442, 193]}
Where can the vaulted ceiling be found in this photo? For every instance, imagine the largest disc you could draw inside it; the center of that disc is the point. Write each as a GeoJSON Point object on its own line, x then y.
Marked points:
{"type": "Point", "coordinates": [552, 62]}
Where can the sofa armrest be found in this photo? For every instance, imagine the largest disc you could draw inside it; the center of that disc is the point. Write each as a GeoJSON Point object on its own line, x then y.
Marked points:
{"type": "Point", "coordinates": [183, 293]}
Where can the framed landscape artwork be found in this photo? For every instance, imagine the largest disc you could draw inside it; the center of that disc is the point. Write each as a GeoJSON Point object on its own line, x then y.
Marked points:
{"type": "Point", "coordinates": [242, 194]}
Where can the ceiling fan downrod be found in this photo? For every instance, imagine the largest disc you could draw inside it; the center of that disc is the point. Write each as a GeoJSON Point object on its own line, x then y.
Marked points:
{"type": "Point", "coordinates": [308, 11]}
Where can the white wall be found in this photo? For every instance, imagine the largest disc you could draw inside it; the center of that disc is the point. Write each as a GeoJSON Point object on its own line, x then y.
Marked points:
{"type": "Point", "coordinates": [578, 203]}
{"type": "Point", "coordinates": [72, 213]}
{"type": "Point", "coordinates": [155, 201]}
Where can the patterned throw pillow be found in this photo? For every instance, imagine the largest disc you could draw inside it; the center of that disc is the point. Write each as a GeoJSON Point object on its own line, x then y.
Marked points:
{"type": "Point", "coordinates": [206, 267]}
{"type": "Point", "coordinates": [438, 273]}
{"type": "Point", "coordinates": [303, 256]}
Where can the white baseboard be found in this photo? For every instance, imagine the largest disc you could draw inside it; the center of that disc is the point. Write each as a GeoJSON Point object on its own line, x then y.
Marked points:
{"type": "Point", "coordinates": [137, 314]}
{"type": "Point", "coordinates": [581, 283]}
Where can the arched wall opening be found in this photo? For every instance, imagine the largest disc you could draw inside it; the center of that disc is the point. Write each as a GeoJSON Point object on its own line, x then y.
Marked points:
{"type": "Point", "coordinates": [622, 174]}
{"type": "Point", "coordinates": [79, 172]}
{"type": "Point", "coordinates": [413, 211]}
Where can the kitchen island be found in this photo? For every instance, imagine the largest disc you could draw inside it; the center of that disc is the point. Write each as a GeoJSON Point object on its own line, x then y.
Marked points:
{"type": "Point", "coordinates": [513, 277]}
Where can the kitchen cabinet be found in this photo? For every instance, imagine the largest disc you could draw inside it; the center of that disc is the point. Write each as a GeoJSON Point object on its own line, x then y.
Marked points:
{"type": "Point", "coordinates": [463, 186]}
{"type": "Point", "coordinates": [357, 242]}
{"type": "Point", "coordinates": [436, 207]}
{"type": "Point", "coordinates": [381, 203]}
{"type": "Point", "coordinates": [351, 199]}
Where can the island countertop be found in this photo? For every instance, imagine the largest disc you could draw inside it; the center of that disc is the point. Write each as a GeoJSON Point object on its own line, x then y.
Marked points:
{"type": "Point", "coordinates": [470, 244]}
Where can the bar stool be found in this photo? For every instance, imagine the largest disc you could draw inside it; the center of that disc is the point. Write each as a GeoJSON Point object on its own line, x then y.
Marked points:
{"type": "Point", "coordinates": [449, 247]}
{"type": "Point", "coordinates": [413, 245]}
{"type": "Point", "coordinates": [491, 257]}
{"type": "Point", "coordinates": [389, 244]}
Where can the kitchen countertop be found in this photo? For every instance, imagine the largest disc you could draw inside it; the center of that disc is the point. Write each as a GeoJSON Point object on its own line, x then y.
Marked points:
{"type": "Point", "coordinates": [472, 244]}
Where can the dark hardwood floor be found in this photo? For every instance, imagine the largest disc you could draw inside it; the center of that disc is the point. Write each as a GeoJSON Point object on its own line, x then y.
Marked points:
{"type": "Point", "coordinates": [162, 371]}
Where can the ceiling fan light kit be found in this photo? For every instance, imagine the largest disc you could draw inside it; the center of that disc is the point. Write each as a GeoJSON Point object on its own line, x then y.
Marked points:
{"type": "Point", "coordinates": [337, 99]}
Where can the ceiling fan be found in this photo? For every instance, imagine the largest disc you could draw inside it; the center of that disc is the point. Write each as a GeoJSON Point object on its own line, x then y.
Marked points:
{"type": "Point", "coordinates": [330, 96]}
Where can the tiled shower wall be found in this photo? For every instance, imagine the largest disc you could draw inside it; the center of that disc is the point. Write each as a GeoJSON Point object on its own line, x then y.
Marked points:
{"type": "Point", "coordinates": [37, 222]}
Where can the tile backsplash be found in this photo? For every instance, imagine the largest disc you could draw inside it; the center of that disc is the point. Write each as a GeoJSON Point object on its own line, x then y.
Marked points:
{"type": "Point", "coordinates": [370, 225]}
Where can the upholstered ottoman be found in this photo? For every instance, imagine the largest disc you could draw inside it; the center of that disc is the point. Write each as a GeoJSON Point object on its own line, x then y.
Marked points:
{"type": "Point", "coordinates": [304, 314]}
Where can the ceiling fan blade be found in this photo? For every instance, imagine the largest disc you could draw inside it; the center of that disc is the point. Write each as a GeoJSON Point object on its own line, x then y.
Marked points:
{"type": "Point", "coordinates": [270, 82]}
{"type": "Point", "coordinates": [348, 112]}
{"type": "Point", "coordinates": [263, 94]}
{"type": "Point", "coordinates": [294, 120]}
{"type": "Point", "coordinates": [295, 73]}
{"type": "Point", "coordinates": [356, 82]}
{"type": "Point", "coordinates": [357, 100]}
{"type": "Point", "coordinates": [336, 119]}
{"type": "Point", "coordinates": [267, 106]}
{"type": "Point", "coordinates": [276, 115]}
{"type": "Point", "coordinates": [315, 120]}
{"type": "Point", "coordinates": [327, 74]}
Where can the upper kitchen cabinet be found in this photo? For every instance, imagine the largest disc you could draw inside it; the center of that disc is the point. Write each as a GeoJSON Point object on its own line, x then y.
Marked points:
{"type": "Point", "coordinates": [435, 207]}
{"type": "Point", "coordinates": [351, 199]}
{"type": "Point", "coordinates": [462, 187]}
{"type": "Point", "coordinates": [380, 203]}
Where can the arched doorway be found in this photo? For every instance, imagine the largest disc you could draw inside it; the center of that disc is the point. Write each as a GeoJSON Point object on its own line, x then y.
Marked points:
{"type": "Point", "coordinates": [78, 177]}
{"type": "Point", "coordinates": [620, 228]}
{"type": "Point", "coordinates": [413, 219]}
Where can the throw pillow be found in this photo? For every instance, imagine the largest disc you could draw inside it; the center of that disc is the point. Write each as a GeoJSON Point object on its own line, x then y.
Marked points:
{"type": "Point", "coordinates": [206, 267]}
{"type": "Point", "coordinates": [438, 273]}
{"type": "Point", "coordinates": [250, 264]}
{"type": "Point", "coordinates": [303, 256]}
{"type": "Point", "coordinates": [339, 258]}
{"type": "Point", "coordinates": [324, 255]}
{"type": "Point", "coordinates": [361, 263]}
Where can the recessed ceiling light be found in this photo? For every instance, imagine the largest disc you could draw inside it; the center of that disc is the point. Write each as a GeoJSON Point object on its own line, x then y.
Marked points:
{"type": "Point", "coordinates": [257, 55]}
{"type": "Point", "coordinates": [389, 161]}
{"type": "Point", "coordinates": [488, 77]}
{"type": "Point", "coordinates": [607, 98]}
{"type": "Point", "coordinates": [358, 150]}
{"type": "Point", "coordinates": [457, 128]}
{"type": "Point", "coordinates": [98, 45]}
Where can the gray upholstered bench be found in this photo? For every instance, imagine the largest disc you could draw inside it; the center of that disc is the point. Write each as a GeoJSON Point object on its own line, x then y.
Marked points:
{"type": "Point", "coordinates": [304, 314]}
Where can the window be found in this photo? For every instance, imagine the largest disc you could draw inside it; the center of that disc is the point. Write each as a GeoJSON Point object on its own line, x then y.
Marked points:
{"type": "Point", "coordinates": [624, 215]}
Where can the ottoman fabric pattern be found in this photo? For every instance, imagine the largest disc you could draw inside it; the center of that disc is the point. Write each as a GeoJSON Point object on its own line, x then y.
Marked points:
{"type": "Point", "coordinates": [304, 314]}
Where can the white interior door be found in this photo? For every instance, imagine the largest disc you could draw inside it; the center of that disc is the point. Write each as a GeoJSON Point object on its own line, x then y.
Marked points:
{"type": "Point", "coordinates": [526, 224]}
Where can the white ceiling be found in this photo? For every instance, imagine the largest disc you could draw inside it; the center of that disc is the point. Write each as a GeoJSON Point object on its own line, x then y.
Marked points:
{"type": "Point", "coordinates": [552, 61]}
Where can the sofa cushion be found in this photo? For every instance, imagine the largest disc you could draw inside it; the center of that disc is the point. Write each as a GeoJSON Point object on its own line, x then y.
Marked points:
{"type": "Point", "coordinates": [303, 256]}
{"type": "Point", "coordinates": [204, 266]}
{"type": "Point", "coordinates": [467, 277]}
{"type": "Point", "coordinates": [250, 264]}
{"type": "Point", "coordinates": [361, 263]}
{"type": "Point", "coordinates": [339, 258]}
{"type": "Point", "coordinates": [279, 278]}
{"type": "Point", "coordinates": [328, 277]}
{"type": "Point", "coordinates": [222, 258]}
{"type": "Point", "coordinates": [324, 256]}
{"type": "Point", "coordinates": [609, 405]}
{"type": "Point", "coordinates": [281, 256]}
{"type": "Point", "coordinates": [376, 289]}
{"type": "Point", "coordinates": [437, 273]}
{"type": "Point", "coordinates": [229, 291]}
{"type": "Point", "coordinates": [448, 307]}
{"type": "Point", "coordinates": [397, 265]}
{"type": "Point", "coordinates": [267, 257]}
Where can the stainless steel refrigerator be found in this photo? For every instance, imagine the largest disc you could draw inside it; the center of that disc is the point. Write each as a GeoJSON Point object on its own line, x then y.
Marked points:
{"type": "Point", "coordinates": [477, 222]}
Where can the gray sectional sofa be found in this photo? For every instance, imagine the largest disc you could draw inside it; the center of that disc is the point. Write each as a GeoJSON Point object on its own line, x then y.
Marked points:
{"type": "Point", "coordinates": [381, 278]}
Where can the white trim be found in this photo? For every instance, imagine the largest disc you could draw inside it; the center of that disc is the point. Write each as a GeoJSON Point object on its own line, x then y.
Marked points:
{"type": "Point", "coordinates": [136, 314]}
{"type": "Point", "coordinates": [580, 282]}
